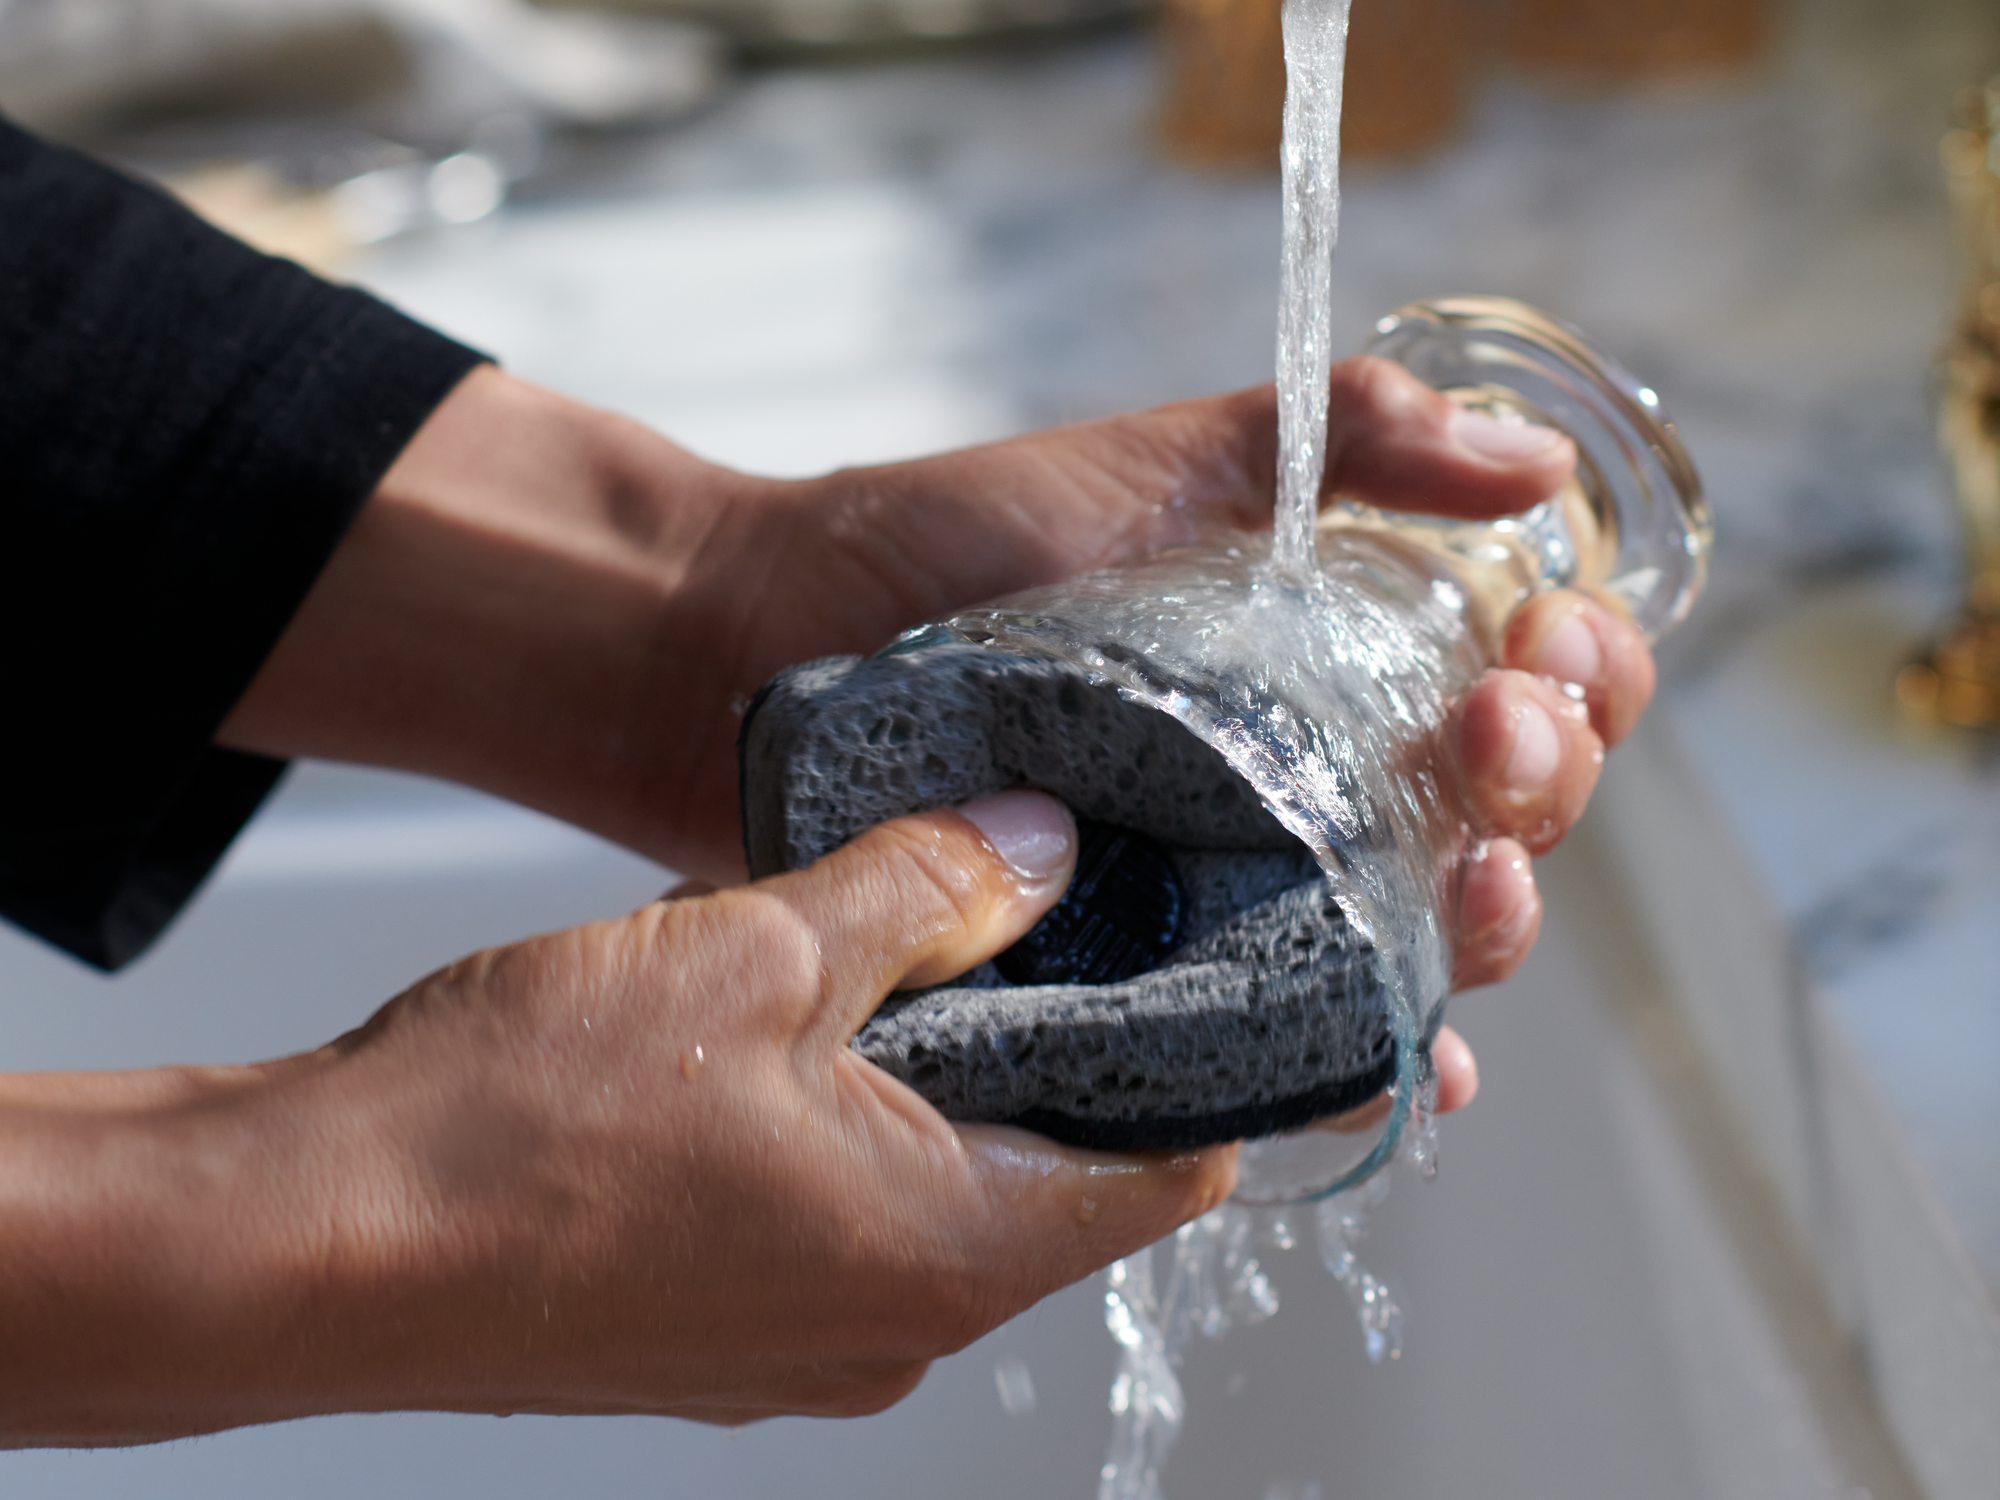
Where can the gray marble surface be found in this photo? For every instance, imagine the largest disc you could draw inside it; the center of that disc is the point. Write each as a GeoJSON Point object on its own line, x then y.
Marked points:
{"type": "Point", "coordinates": [1881, 844]}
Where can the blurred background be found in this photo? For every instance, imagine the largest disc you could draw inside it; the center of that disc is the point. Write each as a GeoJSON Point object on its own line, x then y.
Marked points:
{"type": "Point", "coordinates": [1726, 1218]}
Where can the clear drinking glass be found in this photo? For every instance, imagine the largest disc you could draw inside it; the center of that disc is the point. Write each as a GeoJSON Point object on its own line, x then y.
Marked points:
{"type": "Point", "coordinates": [1328, 694]}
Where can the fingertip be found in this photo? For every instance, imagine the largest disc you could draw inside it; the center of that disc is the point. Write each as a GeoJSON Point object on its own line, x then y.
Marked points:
{"type": "Point", "coordinates": [1069, 1212]}
{"type": "Point", "coordinates": [1507, 441]}
{"type": "Point", "coordinates": [1631, 677]}
{"type": "Point", "coordinates": [1032, 832]}
{"type": "Point", "coordinates": [1559, 638]}
{"type": "Point", "coordinates": [1574, 640]}
{"type": "Point", "coordinates": [1499, 913]}
{"type": "Point", "coordinates": [1530, 756]}
{"type": "Point", "coordinates": [1457, 1071]}
{"type": "Point", "coordinates": [1393, 441]}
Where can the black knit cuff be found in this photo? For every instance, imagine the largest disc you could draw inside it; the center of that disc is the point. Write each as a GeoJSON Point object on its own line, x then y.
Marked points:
{"type": "Point", "coordinates": [189, 428]}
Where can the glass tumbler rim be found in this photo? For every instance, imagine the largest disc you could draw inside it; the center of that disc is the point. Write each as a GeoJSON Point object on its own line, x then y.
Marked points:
{"type": "Point", "coordinates": [1650, 492]}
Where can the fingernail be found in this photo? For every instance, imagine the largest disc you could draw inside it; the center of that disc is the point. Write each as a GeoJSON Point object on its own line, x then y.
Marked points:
{"type": "Point", "coordinates": [1570, 653]}
{"type": "Point", "coordinates": [1030, 830]}
{"type": "Point", "coordinates": [1537, 749]}
{"type": "Point", "coordinates": [1508, 439]}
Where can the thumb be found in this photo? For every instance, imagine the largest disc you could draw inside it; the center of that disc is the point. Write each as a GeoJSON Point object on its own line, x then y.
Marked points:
{"type": "Point", "coordinates": [1392, 441]}
{"type": "Point", "coordinates": [922, 898]}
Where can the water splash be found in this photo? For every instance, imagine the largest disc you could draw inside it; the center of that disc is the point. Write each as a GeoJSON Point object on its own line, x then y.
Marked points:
{"type": "Point", "coordinates": [1217, 1279]}
{"type": "Point", "coordinates": [1341, 1221]}
{"type": "Point", "coordinates": [1216, 1276]}
{"type": "Point", "coordinates": [1016, 1387]}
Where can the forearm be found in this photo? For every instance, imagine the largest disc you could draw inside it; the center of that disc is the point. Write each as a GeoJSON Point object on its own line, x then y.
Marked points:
{"type": "Point", "coordinates": [188, 1250]}
{"type": "Point", "coordinates": [530, 575]}
{"type": "Point", "coordinates": [141, 1263]}
{"type": "Point", "coordinates": [561, 607]}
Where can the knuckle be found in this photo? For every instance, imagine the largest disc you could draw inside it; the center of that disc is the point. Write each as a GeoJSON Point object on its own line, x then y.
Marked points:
{"type": "Point", "coordinates": [968, 1316]}
{"type": "Point", "coordinates": [746, 943]}
{"type": "Point", "coordinates": [1375, 385]}
{"type": "Point", "coordinates": [1633, 683]}
{"type": "Point", "coordinates": [954, 1307]}
{"type": "Point", "coordinates": [945, 882]}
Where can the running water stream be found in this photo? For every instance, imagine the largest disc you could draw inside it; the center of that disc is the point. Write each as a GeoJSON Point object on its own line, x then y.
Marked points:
{"type": "Point", "coordinates": [1216, 1276]}
{"type": "Point", "coordinates": [1321, 663]}
{"type": "Point", "coordinates": [1315, 64]}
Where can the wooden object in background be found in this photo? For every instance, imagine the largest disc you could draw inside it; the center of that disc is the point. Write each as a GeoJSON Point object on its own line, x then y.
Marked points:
{"type": "Point", "coordinates": [1620, 39]}
{"type": "Point", "coordinates": [1409, 68]}
{"type": "Point", "coordinates": [1225, 82]}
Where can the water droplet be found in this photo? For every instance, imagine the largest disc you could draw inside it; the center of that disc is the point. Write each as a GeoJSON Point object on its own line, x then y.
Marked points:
{"type": "Point", "coordinates": [1016, 1387]}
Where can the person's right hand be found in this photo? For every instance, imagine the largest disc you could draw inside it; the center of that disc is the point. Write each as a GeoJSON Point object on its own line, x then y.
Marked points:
{"type": "Point", "coordinates": [630, 1167]}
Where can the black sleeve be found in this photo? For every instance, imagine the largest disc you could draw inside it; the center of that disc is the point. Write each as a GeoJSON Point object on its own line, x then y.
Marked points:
{"type": "Point", "coordinates": [186, 430]}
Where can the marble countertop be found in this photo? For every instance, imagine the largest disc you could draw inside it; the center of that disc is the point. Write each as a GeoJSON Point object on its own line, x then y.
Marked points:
{"type": "Point", "coordinates": [1881, 844]}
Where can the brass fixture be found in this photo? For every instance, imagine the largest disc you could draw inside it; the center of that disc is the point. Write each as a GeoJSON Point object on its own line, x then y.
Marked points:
{"type": "Point", "coordinates": [1958, 680]}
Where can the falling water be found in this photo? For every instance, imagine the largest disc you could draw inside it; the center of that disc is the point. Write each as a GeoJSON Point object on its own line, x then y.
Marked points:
{"type": "Point", "coordinates": [1328, 697]}
{"type": "Point", "coordinates": [1216, 1277]}
{"type": "Point", "coordinates": [1321, 664]}
{"type": "Point", "coordinates": [1315, 58]}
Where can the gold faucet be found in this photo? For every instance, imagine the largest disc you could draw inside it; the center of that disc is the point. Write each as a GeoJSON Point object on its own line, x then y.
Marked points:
{"type": "Point", "coordinates": [1958, 680]}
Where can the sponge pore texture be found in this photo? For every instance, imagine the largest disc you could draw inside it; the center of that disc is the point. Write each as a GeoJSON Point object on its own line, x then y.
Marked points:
{"type": "Point", "coordinates": [1270, 1015]}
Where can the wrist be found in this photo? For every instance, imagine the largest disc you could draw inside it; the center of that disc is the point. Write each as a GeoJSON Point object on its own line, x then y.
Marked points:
{"type": "Point", "coordinates": [504, 605]}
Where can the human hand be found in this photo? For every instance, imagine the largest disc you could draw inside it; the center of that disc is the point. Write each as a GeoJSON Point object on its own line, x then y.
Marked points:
{"type": "Point", "coordinates": [776, 1226]}
{"type": "Point", "coordinates": [1574, 676]}
{"type": "Point", "coordinates": [995, 519]}
{"type": "Point", "coordinates": [885, 548]}
{"type": "Point", "coordinates": [631, 1167]}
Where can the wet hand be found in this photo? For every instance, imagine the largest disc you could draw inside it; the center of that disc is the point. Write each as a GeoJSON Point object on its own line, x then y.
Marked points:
{"type": "Point", "coordinates": [639, 1169]}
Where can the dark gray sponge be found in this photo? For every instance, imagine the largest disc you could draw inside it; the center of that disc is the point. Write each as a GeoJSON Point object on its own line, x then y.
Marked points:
{"type": "Point", "coordinates": [1272, 1014]}
{"type": "Point", "coordinates": [839, 745]}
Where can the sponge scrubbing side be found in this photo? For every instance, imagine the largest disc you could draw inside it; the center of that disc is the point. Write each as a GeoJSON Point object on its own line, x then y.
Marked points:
{"type": "Point", "coordinates": [1272, 1013]}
